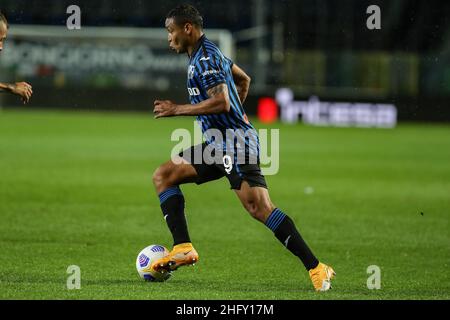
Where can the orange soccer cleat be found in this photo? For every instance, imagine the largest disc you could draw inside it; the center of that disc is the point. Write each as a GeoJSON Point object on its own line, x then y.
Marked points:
{"type": "Point", "coordinates": [321, 277]}
{"type": "Point", "coordinates": [181, 255]}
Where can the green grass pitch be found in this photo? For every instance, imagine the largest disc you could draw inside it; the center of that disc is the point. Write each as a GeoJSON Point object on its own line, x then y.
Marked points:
{"type": "Point", "coordinates": [76, 189]}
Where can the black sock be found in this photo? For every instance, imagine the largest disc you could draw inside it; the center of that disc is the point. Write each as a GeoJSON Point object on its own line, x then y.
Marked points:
{"type": "Point", "coordinates": [285, 231]}
{"type": "Point", "coordinates": [172, 205]}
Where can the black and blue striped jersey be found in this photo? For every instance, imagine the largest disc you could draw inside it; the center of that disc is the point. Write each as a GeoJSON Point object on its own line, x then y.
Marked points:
{"type": "Point", "coordinates": [208, 67]}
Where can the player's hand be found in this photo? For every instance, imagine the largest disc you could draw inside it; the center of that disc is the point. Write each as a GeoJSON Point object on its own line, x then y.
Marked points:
{"type": "Point", "coordinates": [22, 89]}
{"type": "Point", "coordinates": [164, 108]}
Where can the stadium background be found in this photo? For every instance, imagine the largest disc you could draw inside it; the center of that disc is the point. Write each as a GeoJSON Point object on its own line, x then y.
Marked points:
{"type": "Point", "coordinates": [75, 180]}
{"type": "Point", "coordinates": [320, 48]}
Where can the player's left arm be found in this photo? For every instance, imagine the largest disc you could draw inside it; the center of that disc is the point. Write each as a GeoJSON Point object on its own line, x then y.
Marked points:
{"type": "Point", "coordinates": [218, 102]}
{"type": "Point", "coordinates": [242, 82]}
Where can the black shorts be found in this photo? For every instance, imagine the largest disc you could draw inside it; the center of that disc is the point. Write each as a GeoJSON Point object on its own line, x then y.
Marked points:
{"type": "Point", "coordinates": [235, 173]}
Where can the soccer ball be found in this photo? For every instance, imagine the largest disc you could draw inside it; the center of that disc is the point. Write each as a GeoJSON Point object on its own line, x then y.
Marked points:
{"type": "Point", "coordinates": [145, 259]}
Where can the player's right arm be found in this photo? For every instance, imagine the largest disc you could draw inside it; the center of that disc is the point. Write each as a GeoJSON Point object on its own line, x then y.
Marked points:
{"type": "Point", "coordinates": [22, 89]}
{"type": "Point", "coordinates": [218, 102]}
{"type": "Point", "coordinates": [242, 82]}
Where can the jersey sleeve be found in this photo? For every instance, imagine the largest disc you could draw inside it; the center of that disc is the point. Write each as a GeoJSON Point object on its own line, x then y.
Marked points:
{"type": "Point", "coordinates": [230, 62]}
{"type": "Point", "coordinates": [212, 71]}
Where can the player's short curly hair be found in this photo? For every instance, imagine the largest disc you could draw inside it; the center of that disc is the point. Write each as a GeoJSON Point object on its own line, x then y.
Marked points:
{"type": "Point", "coordinates": [3, 19]}
{"type": "Point", "coordinates": [185, 13]}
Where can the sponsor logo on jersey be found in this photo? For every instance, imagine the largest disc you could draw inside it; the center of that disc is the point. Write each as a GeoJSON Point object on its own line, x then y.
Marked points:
{"type": "Point", "coordinates": [209, 72]}
{"type": "Point", "coordinates": [194, 91]}
{"type": "Point", "coordinates": [191, 72]}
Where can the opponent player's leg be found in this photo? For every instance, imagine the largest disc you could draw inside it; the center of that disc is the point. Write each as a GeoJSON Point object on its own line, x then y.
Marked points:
{"type": "Point", "coordinates": [167, 179]}
{"type": "Point", "coordinates": [257, 202]}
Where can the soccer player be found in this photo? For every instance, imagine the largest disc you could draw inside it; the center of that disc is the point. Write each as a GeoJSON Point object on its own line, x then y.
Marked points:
{"type": "Point", "coordinates": [22, 89]}
{"type": "Point", "coordinates": [217, 89]}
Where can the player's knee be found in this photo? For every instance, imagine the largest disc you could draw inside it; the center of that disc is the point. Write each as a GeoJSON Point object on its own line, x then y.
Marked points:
{"type": "Point", "coordinates": [253, 210]}
{"type": "Point", "coordinates": [161, 177]}
{"type": "Point", "coordinates": [259, 210]}
{"type": "Point", "coordinates": [157, 177]}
